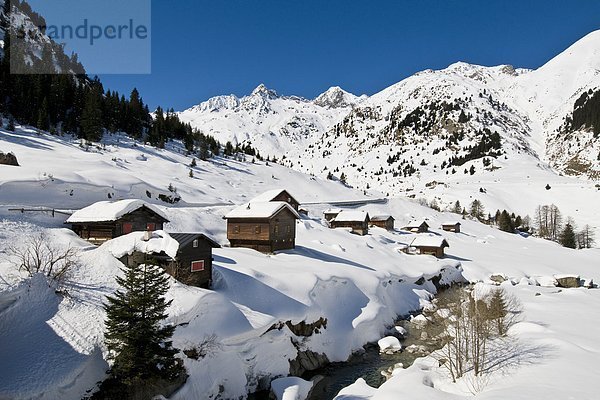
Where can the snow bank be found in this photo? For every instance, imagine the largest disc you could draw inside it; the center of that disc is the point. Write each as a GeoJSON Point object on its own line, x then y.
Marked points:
{"type": "Point", "coordinates": [291, 388]}
{"type": "Point", "coordinates": [389, 344]}
{"type": "Point", "coordinates": [157, 242]}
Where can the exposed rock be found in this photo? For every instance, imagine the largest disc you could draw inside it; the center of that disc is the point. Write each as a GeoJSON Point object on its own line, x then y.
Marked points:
{"type": "Point", "coordinates": [568, 281]}
{"type": "Point", "coordinates": [498, 278]}
{"type": "Point", "coordinates": [302, 328]}
{"type": "Point", "coordinates": [307, 360]}
{"type": "Point", "coordinates": [8, 159]}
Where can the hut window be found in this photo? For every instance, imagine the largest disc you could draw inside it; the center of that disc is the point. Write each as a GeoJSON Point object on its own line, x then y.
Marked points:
{"type": "Point", "coordinates": [197, 266]}
{"type": "Point", "coordinates": [276, 229]}
{"type": "Point", "coordinates": [195, 243]}
{"type": "Point", "coordinates": [150, 226]}
{"type": "Point", "coordinates": [127, 227]}
{"type": "Point", "coordinates": [289, 229]}
{"type": "Point", "coordinates": [257, 229]}
{"type": "Point", "coordinates": [236, 229]}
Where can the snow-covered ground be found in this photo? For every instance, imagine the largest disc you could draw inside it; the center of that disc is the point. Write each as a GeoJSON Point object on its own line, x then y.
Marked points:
{"type": "Point", "coordinates": [52, 344]}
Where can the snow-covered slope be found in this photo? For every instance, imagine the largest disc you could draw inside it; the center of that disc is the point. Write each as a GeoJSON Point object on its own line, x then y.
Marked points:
{"type": "Point", "coordinates": [271, 123]}
{"type": "Point", "coordinates": [501, 123]}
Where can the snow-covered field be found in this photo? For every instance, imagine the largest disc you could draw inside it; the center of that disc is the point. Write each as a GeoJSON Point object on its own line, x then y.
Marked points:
{"type": "Point", "coordinates": [51, 345]}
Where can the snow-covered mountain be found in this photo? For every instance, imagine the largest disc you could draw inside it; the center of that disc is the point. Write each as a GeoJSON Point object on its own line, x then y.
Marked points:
{"type": "Point", "coordinates": [430, 126]}
{"type": "Point", "coordinates": [272, 123]}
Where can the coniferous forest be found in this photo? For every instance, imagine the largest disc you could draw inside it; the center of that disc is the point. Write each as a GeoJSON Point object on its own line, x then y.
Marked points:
{"type": "Point", "coordinates": [70, 102]}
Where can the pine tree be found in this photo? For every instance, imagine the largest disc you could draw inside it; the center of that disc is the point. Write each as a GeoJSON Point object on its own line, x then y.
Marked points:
{"type": "Point", "coordinates": [91, 117]}
{"type": "Point", "coordinates": [567, 237]}
{"type": "Point", "coordinates": [138, 342]}
{"type": "Point", "coordinates": [457, 209]}
{"type": "Point", "coordinates": [505, 222]}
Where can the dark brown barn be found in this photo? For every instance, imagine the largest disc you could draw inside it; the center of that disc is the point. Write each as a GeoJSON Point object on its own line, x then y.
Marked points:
{"type": "Point", "coordinates": [383, 221]}
{"type": "Point", "coordinates": [264, 226]}
{"type": "Point", "coordinates": [106, 220]}
{"type": "Point", "coordinates": [451, 227]}
{"type": "Point", "coordinates": [277, 195]}
{"type": "Point", "coordinates": [187, 257]}
{"type": "Point", "coordinates": [416, 227]}
{"type": "Point", "coordinates": [358, 221]}
{"type": "Point", "coordinates": [430, 244]}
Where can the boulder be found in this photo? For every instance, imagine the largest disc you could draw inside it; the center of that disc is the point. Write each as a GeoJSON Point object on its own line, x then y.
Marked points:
{"type": "Point", "coordinates": [8, 159]}
{"type": "Point", "coordinates": [568, 281]}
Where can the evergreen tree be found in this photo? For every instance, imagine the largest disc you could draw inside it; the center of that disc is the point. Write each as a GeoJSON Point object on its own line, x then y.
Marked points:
{"type": "Point", "coordinates": [567, 237]}
{"type": "Point", "coordinates": [505, 222]}
{"type": "Point", "coordinates": [457, 209]}
{"type": "Point", "coordinates": [477, 210]}
{"type": "Point", "coordinates": [138, 342]}
{"type": "Point", "coordinates": [91, 117]}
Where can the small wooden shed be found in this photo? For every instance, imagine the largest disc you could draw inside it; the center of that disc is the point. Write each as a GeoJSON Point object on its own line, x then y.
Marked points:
{"type": "Point", "coordinates": [451, 227]}
{"type": "Point", "coordinates": [383, 221]}
{"type": "Point", "coordinates": [358, 221]}
{"type": "Point", "coordinates": [430, 244]}
{"type": "Point", "coordinates": [187, 257]}
{"type": "Point", "coordinates": [107, 220]}
{"type": "Point", "coordinates": [277, 195]}
{"type": "Point", "coordinates": [263, 226]}
{"type": "Point", "coordinates": [416, 227]}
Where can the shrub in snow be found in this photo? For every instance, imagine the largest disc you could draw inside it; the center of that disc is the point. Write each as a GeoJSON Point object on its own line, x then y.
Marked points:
{"type": "Point", "coordinates": [36, 254]}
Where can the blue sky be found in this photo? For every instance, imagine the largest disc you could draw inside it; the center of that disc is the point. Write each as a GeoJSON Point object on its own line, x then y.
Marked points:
{"type": "Point", "coordinates": [205, 48]}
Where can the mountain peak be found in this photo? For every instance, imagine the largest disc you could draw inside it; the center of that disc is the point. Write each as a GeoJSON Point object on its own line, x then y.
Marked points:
{"type": "Point", "coordinates": [262, 91]}
{"type": "Point", "coordinates": [336, 97]}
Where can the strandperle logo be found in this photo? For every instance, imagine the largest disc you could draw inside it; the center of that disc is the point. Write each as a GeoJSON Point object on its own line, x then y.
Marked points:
{"type": "Point", "coordinates": [66, 36]}
{"type": "Point", "coordinates": [93, 32]}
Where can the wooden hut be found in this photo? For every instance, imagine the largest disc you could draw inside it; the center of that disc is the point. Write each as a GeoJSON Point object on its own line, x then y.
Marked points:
{"type": "Point", "coordinates": [106, 220]}
{"type": "Point", "coordinates": [263, 226]}
{"type": "Point", "coordinates": [331, 213]}
{"type": "Point", "coordinates": [430, 244]}
{"type": "Point", "coordinates": [451, 227]}
{"type": "Point", "coordinates": [416, 227]}
{"type": "Point", "coordinates": [187, 257]}
{"type": "Point", "coordinates": [358, 221]}
{"type": "Point", "coordinates": [277, 195]}
{"type": "Point", "coordinates": [383, 221]}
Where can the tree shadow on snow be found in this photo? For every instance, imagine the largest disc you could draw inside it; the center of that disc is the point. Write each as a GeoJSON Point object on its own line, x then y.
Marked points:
{"type": "Point", "coordinates": [509, 354]}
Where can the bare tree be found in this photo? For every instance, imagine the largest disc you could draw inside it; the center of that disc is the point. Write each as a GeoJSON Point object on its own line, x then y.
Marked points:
{"type": "Point", "coordinates": [469, 325]}
{"type": "Point", "coordinates": [36, 254]}
{"type": "Point", "coordinates": [586, 237]}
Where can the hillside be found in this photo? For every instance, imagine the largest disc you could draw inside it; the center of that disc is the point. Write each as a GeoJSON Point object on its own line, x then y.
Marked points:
{"type": "Point", "coordinates": [359, 284]}
{"type": "Point", "coordinates": [466, 126]}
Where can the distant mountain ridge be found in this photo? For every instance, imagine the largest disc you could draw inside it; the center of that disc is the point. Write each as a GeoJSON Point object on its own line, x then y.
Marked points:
{"type": "Point", "coordinates": [429, 125]}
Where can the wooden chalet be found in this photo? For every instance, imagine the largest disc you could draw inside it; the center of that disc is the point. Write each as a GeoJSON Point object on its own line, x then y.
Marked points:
{"type": "Point", "coordinates": [107, 220]}
{"type": "Point", "coordinates": [187, 257]}
{"type": "Point", "coordinates": [331, 213]}
{"type": "Point", "coordinates": [416, 227]}
{"type": "Point", "coordinates": [383, 221]}
{"type": "Point", "coordinates": [451, 227]}
{"type": "Point", "coordinates": [430, 244]}
{"type": "Point", "coordinates": [277, 195]}
{"type": "Point", "coordinates": [263, 226]}
{"type": "Point", "coordinates": [357, 221]}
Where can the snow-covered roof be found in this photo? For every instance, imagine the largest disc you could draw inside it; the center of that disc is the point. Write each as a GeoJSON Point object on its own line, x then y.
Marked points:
{"type": "Point", "coordinates": [269, 195]}
{"type": "Point", "coordinates": [351, 216]}
{"type": "Point", "coordinates": [381, 217]}
{"type": "Point", "coordinates": [111, 211]}
{"type": "Point", "coordinates": [415, 224]}
{"type": "Point", "coordinates": [333, 211]}
{"type": "Point", "coordinates": [159, 241]}
{"type": "Point", "coordinates": [429, 241]}
{"type": "Point", "coordinates": [264, 209]}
